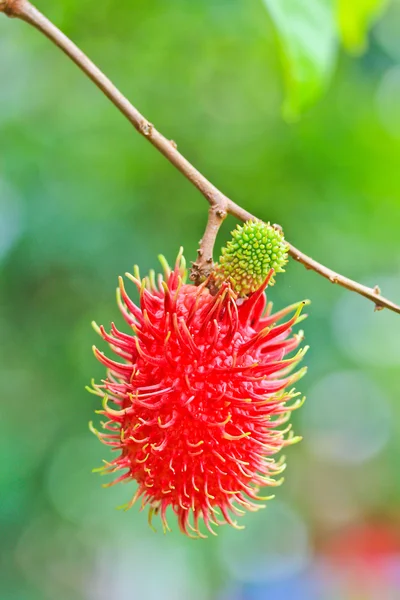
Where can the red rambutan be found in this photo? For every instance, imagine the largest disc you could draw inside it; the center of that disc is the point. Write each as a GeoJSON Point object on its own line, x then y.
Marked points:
{"type": "Point", "coordinates": [196, 407]}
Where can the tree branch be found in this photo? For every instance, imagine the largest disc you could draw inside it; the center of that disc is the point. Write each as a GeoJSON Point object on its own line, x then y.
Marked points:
{"type": "Point", "coordinates": [204, 264]}
{"type": "Point", "coordinates": [25, 11]}
{"type": "Point", "coordinates": [219, 203]}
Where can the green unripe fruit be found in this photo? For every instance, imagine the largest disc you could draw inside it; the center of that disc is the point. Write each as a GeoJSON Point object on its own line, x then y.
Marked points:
{"type": "Point", "coordinates": [246, 260]}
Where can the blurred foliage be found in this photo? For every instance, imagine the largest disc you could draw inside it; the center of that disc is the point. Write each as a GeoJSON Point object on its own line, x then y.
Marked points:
{"type": "Point", "coordinates": [83, 198]}
{"type": "Point", "coordinates": [309, 33]}
{"type": "Point", "coordinates": [354, 19]}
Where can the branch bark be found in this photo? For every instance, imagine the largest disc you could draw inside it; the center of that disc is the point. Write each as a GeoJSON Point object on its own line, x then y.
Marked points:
{"type": "Point", "coordinates": [204, 264]}
{"type": "Point", "coordinates": [219, 203]}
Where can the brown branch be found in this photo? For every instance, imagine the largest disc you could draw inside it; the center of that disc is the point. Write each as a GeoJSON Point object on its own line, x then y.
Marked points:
{"type": "Point", "coordinates": [373, 294]}
{"type": "Point", "coordinates": [204, 264]}
{"type": "Point", "coordinates": [219, 202]}
{"type": "Point", "coordinates": [25, 11]}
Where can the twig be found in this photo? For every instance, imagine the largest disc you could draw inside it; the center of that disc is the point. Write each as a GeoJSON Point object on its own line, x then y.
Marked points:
{"type": "Point", "coordinates": [373, 294]}
{"type": "Point", "coordinates": [25, 11]}
{"type": "Point", "coordinates": [218, 201]}
{"type": "Point", "coordinates": [204, 264]}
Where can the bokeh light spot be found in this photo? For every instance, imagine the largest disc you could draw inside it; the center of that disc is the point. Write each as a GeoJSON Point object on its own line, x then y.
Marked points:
{"type": "Point", "coordinates": [273, 546]}
{"type": "Point", "coordinates": [370, 337]}
{"type": "Point", "coordinates": [346, 418]}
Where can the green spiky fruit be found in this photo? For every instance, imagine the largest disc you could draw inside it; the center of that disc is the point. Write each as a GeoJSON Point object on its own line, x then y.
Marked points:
{"type": "Point", "coordinates": [246, 260]}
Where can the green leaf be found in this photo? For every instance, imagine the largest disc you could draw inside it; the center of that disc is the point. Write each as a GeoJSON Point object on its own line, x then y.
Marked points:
{"type": "Point", "coordinates": [354, 18]}
{"type": "Point", "coordinates": [307, 34]}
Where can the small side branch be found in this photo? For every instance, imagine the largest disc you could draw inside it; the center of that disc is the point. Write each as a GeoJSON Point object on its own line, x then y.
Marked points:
{"type": "Point", "coordinates": [204, 264]}
{"type": "Point", "coordinates": [220, 204]}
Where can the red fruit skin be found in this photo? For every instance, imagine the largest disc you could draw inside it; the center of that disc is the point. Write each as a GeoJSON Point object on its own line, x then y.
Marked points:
{"type": "Point", "coordinates": [196, 406]}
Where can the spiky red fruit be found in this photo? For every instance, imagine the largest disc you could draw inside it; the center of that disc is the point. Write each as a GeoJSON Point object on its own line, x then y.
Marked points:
{"type": "Point", "coordinates": [199, 397]}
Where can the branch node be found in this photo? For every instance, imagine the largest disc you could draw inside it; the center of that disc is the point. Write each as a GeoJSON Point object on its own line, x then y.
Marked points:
{"type": "Point", "coordinates": [221, 213]}
{"type": "Point", "coordinates": [146, 128]}
{"type": "Point", "coordinates": [199, 272]}
{"type": "Point", "coordinates": [11, 8]}
{"type": "Point", "coordinates": [173, 144]}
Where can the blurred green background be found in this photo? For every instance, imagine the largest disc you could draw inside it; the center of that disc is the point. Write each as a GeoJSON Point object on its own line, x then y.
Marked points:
{"type": "Point", "coordinates": [83, 198]}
